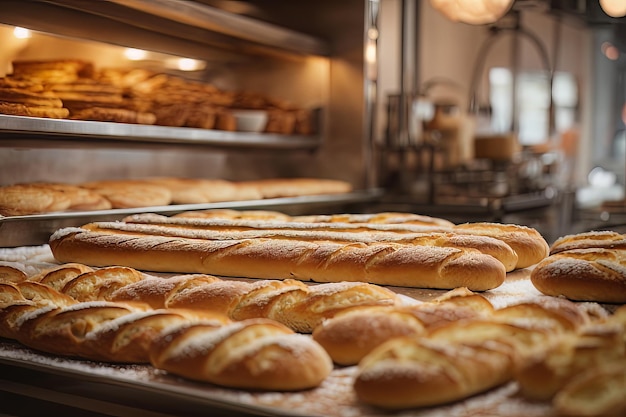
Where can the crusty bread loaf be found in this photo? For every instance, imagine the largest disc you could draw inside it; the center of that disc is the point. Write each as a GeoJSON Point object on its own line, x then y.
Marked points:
{"type": "Point", "coordinates": [545, 373]}
{"type": "Point", "coordinates": [252, 354]}
{"type": "Point", "coordinates": [152, 224]}
{"type": "Point", "coordinates": [378, 263]}
{"type": "Point", "coordinates": [417, 372]}
{"type": "Point", "coordinates": [593, 274]}
{"type": "Point", "coordinates": [596, 391]}
{"type": "Point", "coordinates": [258, 353]}
{"type": "Point", "coordinates": [128, 194]}
{"type": "Point", "coordinates": [595, 239]}
{"type": "Point", "coordinates": [352, 334]}
{"type": "Point", "coordinates": [527, 242]}
{"type": "Point", "coordinates": [290, 302]}
{"type": "Point", "coordinates": [23, 199]}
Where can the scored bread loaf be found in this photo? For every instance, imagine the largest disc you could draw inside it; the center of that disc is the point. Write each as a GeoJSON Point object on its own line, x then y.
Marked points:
{"type": "Point", "coordinates": [293, 303]}
{"type": "Point", "coordinates": [257, 353]}
{"type": "Point", "coordinates": [408, 372]}
{"type": "Point", "coordinates": [323, 261]}
{"type": "Point", "coordinates": [225, 230]}
{"type": "Point", "coordinates": [595, 239]}
{"type": "Point", "coordinates": [592, 274]}
{"type": "Point", "coordinates": [528, 244]}
{"type": "Point", "coordinates": [353, 333]}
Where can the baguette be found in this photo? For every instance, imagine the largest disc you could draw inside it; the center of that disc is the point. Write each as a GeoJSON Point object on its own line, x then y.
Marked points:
{"type": "Point", "coordinates": [527, 243]}
{"type": "Point", "coordinates": [290, 302]}
{"type": "Point", "coordinates": [223, 230]}
{"type": "Point", "coordinates": [257, 354]}
{"type": "Point", "coordinates": [596, 239]}
{"type": "Point", "coordinates": [593, 274]}
{"type": "Point", "coordinates": [352, 334]}
{"type": "Point", "coordinates": [410, 372]}
{"type": "Point", "coordinates": [378, 263]}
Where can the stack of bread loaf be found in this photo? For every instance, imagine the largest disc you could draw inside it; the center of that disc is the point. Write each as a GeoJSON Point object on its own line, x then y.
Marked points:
{"type": "Point", "coordinates": [406, 354]}
{"type": "Point", "coordinates": [46, 197]}
{"type": "Point", "coordinates": [420, 252]}
{"type": "Point", "coordinates": [75, 89]}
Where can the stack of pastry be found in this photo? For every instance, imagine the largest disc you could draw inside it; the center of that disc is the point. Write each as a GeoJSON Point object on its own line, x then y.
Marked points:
{"type": "Point", "coordinates": [76, 89]}
{"type": "Point", "coordinates": [28, 97]}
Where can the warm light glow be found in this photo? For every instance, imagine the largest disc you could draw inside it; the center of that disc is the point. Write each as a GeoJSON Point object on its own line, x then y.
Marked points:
{"type": "Point", "coordinates": [21, 33]}
{"type": "Point", "coordinates": [135, 54]}
{"type": "Point", "coordinates": [610, 51]}
{"type": "Point", "coordinates": [188, 64]}
{"type": "Point", "coordinates": [614, 8]}
{"type": "Point", "coordinates": [475, 12]}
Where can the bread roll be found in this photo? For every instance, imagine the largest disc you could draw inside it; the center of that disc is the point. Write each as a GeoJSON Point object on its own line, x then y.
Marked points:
{"type": "Point", "coordinates": [379, 263]}
{"type": "Point", "coordinates": [593, 274]}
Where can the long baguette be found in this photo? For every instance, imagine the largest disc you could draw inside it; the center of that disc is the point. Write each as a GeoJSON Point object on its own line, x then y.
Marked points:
{"type": "Point", "coordinates": [299, 306]}
{"type": "Point", "coordinates": [378, 263]}
{"type": "Point", "coordinates": [219, 230]}
{"type": "Point", "coordinates": [528, 243]}
{"type": "Point", "coordinates": [257, 354]}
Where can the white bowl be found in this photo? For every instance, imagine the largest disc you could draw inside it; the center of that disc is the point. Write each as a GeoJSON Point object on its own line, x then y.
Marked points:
{"type": "Point", "coordinates": [250, 120]}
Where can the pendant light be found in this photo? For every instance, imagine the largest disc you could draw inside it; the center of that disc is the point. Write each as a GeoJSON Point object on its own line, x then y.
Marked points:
{"type": "Point", "coordinates": [614, 8]}
{"type": "Point", "coordinates": [474, 12]}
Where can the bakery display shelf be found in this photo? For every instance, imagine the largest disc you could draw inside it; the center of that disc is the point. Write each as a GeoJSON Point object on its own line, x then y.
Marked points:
{"type": "Point", "coordinates": [36, 229]}
{"type": "Point", "coordinates": [179, 28]}
{"type": "Point", "coordinates": [22, 131]}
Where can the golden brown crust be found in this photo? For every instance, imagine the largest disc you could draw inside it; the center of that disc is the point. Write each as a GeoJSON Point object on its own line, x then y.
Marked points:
{"type": "Point", "coordinates": [119, 115]}
{"type": "Point", "coordinates": [596, 239]}
{"type": "Point", "coordinates": [251, 354]}
{"type": "Point", "coordinates": [258, 353]}
{"type": "Point", "coordinates": [128, 193]}
{"type": "Point", "coordinates": [527, 242]}
{"type": "Point", "coordinates": [44, 99]}
{"type": "Point", "coordinates": [23, 199]}
{"type": "Point", "coordinates": [593, 274]}
{"type": "Point", "coordinates": [416, 372]}
{"type": "Point", "coordinates": [378, 263]}
{"type": "Point", "coordinates": [11, 274]}
{"type": "Point", "coordinates": [290, 187]}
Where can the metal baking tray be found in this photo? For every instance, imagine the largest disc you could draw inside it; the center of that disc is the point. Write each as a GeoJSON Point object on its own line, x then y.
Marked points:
{"type": "Point", "coordinates": [22, 131]}
{"type": "Point", "coordinates": [36, 229]}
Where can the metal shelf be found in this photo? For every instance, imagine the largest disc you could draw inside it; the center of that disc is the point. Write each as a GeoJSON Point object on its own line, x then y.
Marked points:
{"type": "Point", "coordinates": [20, 131]}
{"type": "Point", "coordinates": [168, 26]}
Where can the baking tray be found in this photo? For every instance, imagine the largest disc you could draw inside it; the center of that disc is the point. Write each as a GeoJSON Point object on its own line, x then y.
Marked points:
{"type": "Point", "coordinates": [333, 398]}
{"type": "Point", "coordinates": [36, 229]}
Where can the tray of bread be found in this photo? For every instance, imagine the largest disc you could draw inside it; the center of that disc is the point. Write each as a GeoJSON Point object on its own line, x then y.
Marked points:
{"type": "Point", "coordinates": [71, 98]}
{"type": "Point", "coordinates": [335, 315]}
{"type": "Point", "coordinates": [31, 212]}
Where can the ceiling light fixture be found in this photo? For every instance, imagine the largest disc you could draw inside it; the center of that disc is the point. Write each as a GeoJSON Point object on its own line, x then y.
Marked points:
{"type": "Point", "coordinates": [614, 8]}
{"type": "Point", "coordinates": [474, 12]}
